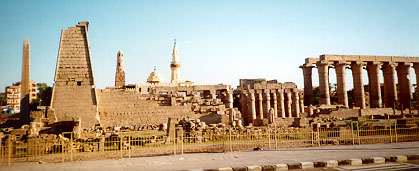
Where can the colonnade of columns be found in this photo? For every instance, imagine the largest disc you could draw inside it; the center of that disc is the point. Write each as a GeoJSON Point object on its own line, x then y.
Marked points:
{"type": "Point", "coordinates": [392, 94]}
{"type": "Point", "coordinates": [259, 102]}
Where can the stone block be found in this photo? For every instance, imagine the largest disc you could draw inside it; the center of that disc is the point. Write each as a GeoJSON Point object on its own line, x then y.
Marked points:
{"type": "Point", "coordinates": [225, 169]}
{"type": "Point", "coordinates": [355, 162]}
{"type": "Point", "coordinates": [281, 167]}
{"type": "Point", "coordinates": [307, 165]}
{"type": "Point", "coordinates": [331, 163]}
{"type": "Point", "coordinates": [379, 160]}
{"type": "Point", "coordinates": [254, 168]}
{"type": "Point", "coordinates": [401, 158]}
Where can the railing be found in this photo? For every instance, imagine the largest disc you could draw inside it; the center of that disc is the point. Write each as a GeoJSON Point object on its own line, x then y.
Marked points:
{"type": "Point", "coordinates": [129, 144]}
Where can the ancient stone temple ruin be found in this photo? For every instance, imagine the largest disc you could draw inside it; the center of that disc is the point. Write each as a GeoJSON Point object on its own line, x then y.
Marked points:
{"type": "Point", "coordinates": [269, 102]}
{"type": "Point", "coordinates": [76, 99]}
{"type": "Point", "coordinates": [398, 95]}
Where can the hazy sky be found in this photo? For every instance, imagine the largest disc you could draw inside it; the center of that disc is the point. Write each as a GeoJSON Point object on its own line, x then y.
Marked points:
{"type": "Point", "coordinates": [219, 41]}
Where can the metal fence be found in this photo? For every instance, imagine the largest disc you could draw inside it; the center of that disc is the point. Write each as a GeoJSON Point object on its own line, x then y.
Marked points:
{"type": "Point", "coordinates": [130, 144]}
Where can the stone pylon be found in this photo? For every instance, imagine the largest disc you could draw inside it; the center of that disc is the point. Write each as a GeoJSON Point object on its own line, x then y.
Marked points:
{"type": "Point", "coordinates": [25, 83]}
{"type": "Point", "coordinates": [175, 65]}
{"type": "Point", "coordinates": [120, 72]}
{"type": "Point", "coordinates": [74, 93]}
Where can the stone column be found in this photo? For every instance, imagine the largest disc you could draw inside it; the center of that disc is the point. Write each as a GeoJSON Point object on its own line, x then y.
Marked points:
{"type": "Point", "coordinates": [289, 107]}
{"type": "Point", "coordinates": [390, 89]}
{"type": "Point", "coordinates": [359, 95]}
{"type": "Point", "coordinates": [405, 90]}
{"type": "Point", "coordinates": [275, 103]}
{"type": "Point", "coordinates": [323, 69]}
{"type": "Point", "coordinates": [260, 98]}
{"type": "Point", "coordinates": [416, 67]}
{"type": "Point", "coordinates": [340, 69]}
{"type": "Point", "coordinates": [267, 101]}
{"type": "Point", "coordinates": [244, 106]}
{"type": "Point", "coordinates": [308, 85]}
{"type": "Point", "coordinates": [229, 100]}
{"type": "Point", "coordinates": [213, 94]}
{"type": "Point", "coordinates": [281, 99]}
{"type": "Point", "coordinates": [374, 84]}
{"type": "Point", "coordinates": [296, 103]}
{"type": "Point", "coordinates": [252, 105]}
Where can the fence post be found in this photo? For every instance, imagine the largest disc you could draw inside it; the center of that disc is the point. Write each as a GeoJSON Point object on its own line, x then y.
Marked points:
{"type": "Point", "coordinates": [120, 145]}
{"type": "Point", "coordinates": [269, 137]}
{"type": "Point", "coordinates": [71, 148]}
{"type": "Point", "coordinates": [357, 132]}
{"type": "Point", "coordinates": [129, 145]}
{"type": "Point", "coordinates": [395, 130]}
{"type": "Point", "coordinates": [62, 146]}
{"type": "Point", "coordinates": [9, 156]}
{"type": "Point", "coordinates": [389, 125]}
{"type": "Point", "coordinates": [352, 133]}
{"type": "Point", "coordinates": [231, 143]}
{"type": "Point", "coordinates": [276, 138]}
{"type": "Point", "coordinates": [181, 141]}
{"type": "Point", "coordinates": [1, 150]}
{"type": "Point", "coordinates": [318, 135]}
{"type": "Point", "coordinates": [174, 141]}
{"type": "Point", "coordinates": [223, 138]}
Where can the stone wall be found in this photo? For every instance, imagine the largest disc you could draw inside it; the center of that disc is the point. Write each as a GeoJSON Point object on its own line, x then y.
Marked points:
{"type": "Point", "coordinates": [120, 107]}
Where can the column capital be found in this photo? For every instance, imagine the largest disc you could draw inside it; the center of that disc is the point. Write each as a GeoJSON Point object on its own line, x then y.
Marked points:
{"type": "Point", "coordinates": [322, 63]}
{"type": "Point", "coordinates": [358, 63]}
{"type": "Point", "coordinates": [306, 66]}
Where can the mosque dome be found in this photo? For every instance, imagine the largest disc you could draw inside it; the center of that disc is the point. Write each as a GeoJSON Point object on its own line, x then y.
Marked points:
{"type": "Point", "coordinates": [154, 77]}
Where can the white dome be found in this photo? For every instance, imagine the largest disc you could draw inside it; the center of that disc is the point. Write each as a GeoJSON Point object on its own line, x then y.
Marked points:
{"type": "Point", "coordinates": [154, 77]}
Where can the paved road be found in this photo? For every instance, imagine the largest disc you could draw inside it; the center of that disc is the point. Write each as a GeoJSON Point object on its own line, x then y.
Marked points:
{"type": "Point", "coordinates": [230, 159]}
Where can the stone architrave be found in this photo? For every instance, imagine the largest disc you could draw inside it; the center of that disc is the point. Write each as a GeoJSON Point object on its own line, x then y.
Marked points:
{"type": "Point", "coordinates": [390, 89]}
{"type": "Point", "coordinates": [374, 84]}
{"type": "Point", "coordinates": [323, 69]}
{"type": "Point", "coordinates": [281, 104]}
{"type": "Point", "coordinates": [25, 83]}
{"type": "Point", "coordinates": [340, 69]}
{"type": "Point", "coordinates": [405, 89]}
{"type": "Point", "coordinates": [308, 85]}
{"type": "Point", "coordinates": [359, 95]}
{"type": "Point", "coordinates": [74, 93]}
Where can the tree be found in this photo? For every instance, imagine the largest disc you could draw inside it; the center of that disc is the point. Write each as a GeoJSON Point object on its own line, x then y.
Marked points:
{"type": "Point", "coordinates": [3, 100]}
{"type": "Point", "coordinates": [44, 96]}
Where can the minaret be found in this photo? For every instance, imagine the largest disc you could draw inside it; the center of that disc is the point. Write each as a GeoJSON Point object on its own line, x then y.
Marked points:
{"type": "Point", "coordinates": [120, 72]}
{"type": "Point", "coordinates": [175, 65]}
{"type": "Point", "coordinates": [25, 83]}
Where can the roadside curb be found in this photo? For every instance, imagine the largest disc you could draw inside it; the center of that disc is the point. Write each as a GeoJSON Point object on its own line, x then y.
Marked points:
{"type": "Point", "coordinates": [321, 164]}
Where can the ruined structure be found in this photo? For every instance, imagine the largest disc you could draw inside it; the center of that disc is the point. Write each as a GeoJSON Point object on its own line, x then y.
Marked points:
{"type": "Point", "coordinates": [269, 101]}
{"type": "Point", "coordinates": [388, 64]}
{"type": "Point", "coordinates": [76, 99]}
{"type": "Point", "coordinates": [120, 72]}
{"type": "Point", "coordinates": [74, 94]}
{"type": "Point", "coordinates": [25, 84]}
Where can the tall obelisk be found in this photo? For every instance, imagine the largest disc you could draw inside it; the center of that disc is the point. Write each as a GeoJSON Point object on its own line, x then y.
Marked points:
{"type": "Point", "coordinates": [25, 83]}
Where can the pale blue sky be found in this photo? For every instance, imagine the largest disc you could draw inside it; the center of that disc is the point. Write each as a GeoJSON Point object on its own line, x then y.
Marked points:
{"type": "Point", "coordinates": [219, 41]}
